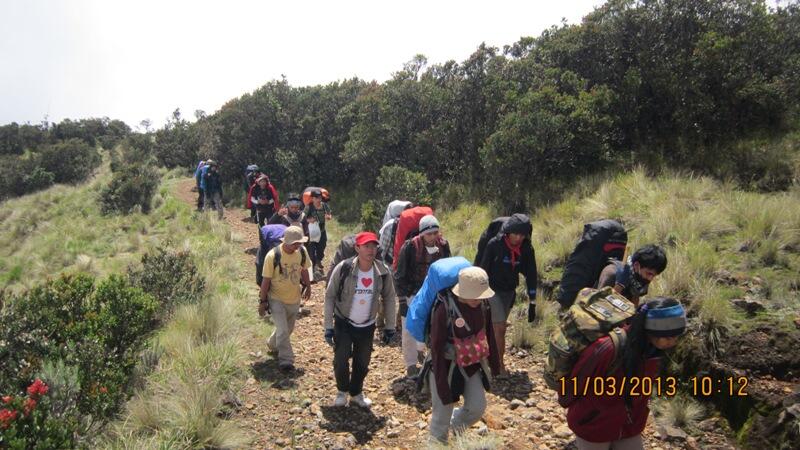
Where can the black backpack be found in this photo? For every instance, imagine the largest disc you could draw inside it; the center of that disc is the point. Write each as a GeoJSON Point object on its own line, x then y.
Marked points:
{"type": "Point", "coordinates": [602, 242]}
{"type": "Point", "coordinates": [491, 231]}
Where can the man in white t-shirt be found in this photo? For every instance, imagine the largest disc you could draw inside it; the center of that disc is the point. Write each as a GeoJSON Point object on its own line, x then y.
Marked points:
{"type": "Point", "coordinates": [357, 288]}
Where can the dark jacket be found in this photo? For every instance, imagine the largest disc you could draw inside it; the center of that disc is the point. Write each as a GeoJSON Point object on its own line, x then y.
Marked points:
{"type": "Point", "coordinates": [477, 318]}
{"type": "Point", "coordinates": [319, 214]}
{"type": "Point", "coordinates": [284, 220]}
{"type": "Point", "coordinates": [605, 418]}
{"type": "Point", "coordinates": [213, 182]}
{"type": "Point", "coordinates": [496, 260]}
{"type": "Point", "coordinates": [633, 290]}
{"type": "Point", "coordinates": [412, 267]}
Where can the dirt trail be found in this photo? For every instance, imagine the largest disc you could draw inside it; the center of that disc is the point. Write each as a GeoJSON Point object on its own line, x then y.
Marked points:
{"type": "Point", "coordinates": [294, 411]}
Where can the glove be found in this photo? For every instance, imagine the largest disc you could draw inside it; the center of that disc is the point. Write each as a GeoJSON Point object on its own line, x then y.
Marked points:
{"type": "Point", "coordinates": [531, 305]}
{"type": "Point", "coordinates": [387, 336]}
{"type": "Point", "coordinates": [329, 337]}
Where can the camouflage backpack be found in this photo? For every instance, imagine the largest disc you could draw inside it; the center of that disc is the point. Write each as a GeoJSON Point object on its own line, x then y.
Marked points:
{"type": "Point", "coordinates": [595, 313]}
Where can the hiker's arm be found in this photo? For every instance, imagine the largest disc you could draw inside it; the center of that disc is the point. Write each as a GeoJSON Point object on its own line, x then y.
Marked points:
{"type": "Point", "coordinates": [389, 303]}
{"type": "Point", "coordinates": [275, 219]}
{"type": "Point", "coordinates": [488, 256]}
{"type": "Point", "coordinates": [330, 296]}
{"type": "Point", "coordinates": [607, 277]}
{"type": "Point", "coordinates": [439, 334]}
{"type": "Point", "coordinates": [592, 363]}
{"type": "Point", "coordinates": [262, 295]}
{"type": "Point", "coordinates": [403, 269]}
{"type": "Point", "coordinates": [304, 277]}
{"type": "Point", "coordinates": [531, 276]}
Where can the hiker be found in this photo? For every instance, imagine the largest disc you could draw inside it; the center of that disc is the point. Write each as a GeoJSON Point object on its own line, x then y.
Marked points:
{"type": "Point", "coordinates": [285, 282]}
{"type": "Point", "coordinates": [291, 214]}
{"type": "Point", "coordinates": [459, 324]}
{"type": "Point", "coordinates": [317, 212]}
{"type": "Point", "coordinates": [356, 288]}
{"type": "Point", "coordinates": [603, 420]}
{"type": "Point", "coordinates": [416, 256]}
{"type": "Point", "coordinates": [262, 200]}
{"type": "Point", "coordinates": [601, 243]}
{"type": "Point", "coordinates": [507, 255]}
{"type": "Point", "coordinates": [389, 227]}
{"type": "Point", "coordinates": [213, 188]}
{"type": "Point", "coordinates": [198, 176]}
{"type": "Point", "coordinates": [633, 277]}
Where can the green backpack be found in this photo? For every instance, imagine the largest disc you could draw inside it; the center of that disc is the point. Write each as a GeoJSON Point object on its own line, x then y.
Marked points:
{"type": "Point", "coordinates": [595, 313]}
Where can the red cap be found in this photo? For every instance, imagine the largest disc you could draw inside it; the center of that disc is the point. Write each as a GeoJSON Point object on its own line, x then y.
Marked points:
{"type": "Point", "coordinates": [365, 237]}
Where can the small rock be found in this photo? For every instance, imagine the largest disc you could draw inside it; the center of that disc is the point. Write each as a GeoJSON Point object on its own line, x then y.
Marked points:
{"type": "Point", "coordinates": [280, 442]}
{"type": "Point", "coordinates": [670, 433]}
{"type": "Point", "coordinates": [251, 381]}
{"type": "Point", "coordinates": [483, 430]}
{"type": "Point", "coordinates": [749, 305]}
{"type": "Point", "coordinates": [296, 410]}
{"type": "Point", "coordinates": [393, 434]}
{"type": "Point", "coordinates": [306, 403]}
{"type": "Point", "coordinates": [563, 432]}
{"type": "Point", "coordinates": [516, 403]}
{"type": "Point", "coordinates": [709, 424]}
{"type": "Point", "coordinates": [422, 425]}
{"type": "Point", "coordinates": [250, 405]}
{"type": "Point", "coordinates": [530, 402]}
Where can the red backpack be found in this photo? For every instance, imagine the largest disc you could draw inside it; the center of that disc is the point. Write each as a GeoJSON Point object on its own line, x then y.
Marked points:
{"type": "Point", "coordinates": [408, 227]}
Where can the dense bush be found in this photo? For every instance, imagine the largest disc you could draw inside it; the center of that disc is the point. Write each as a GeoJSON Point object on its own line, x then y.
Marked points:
{"type": "Point", "coordinates": [70, 161]}
{"type": "Point", "coordinates": [394, 182]}
{"type": "Point", "coordinates": [131, 187]}
{"type": "Point", "coordinates": [84, 338]}
{"type": "Point", "coordinates": [170, 276]}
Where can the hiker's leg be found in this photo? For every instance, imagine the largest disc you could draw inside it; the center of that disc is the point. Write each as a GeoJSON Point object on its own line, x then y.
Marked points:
{"type": "Point", "coordinates": [501, 304]}
{"type": "Point", "coordinates": [292, 312]}
{"type": "Point", "coordinates": [341, 356]}
{"type": "Point", "coordinates": [206, 200]}
{"type": "Point", "coordinates": [279, 340]}
{"type": "Point", "coordinates": [631, 443]}
{"type": "Point", "coordinates": [200, 196]}
{"type": "Point", "coordinates": [408, 343]}
{"type": "Point", "coordinates": [440, 414]}
{"type": "Point", "coordinates": [583, 444]}
{"type": "Point", "coordinates": [474, 404]}
{"type": "Point", "coordinates": [323, 242]}
{"type": "Point", "coordinates": [218, 204]}
{"type": "Point", "coordinates": [362, 352]}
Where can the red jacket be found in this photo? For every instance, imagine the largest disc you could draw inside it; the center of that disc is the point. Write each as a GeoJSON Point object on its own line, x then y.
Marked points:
{"type": "Point", "coordinates": [276, 205]}
{"type": "Point", "coordinates": [605, 418]}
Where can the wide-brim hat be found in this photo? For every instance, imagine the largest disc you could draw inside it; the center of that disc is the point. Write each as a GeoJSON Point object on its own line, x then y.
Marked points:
{"type": "Point", "coordinates": [294, 235]}
{"type": "Point", "coordinates": [473, 284]}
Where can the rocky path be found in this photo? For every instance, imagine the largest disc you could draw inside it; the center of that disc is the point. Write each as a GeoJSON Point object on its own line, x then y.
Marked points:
{"type": "Point", "coordinates": [294, 411]}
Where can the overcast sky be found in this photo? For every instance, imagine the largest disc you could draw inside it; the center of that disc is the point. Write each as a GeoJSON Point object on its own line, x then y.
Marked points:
{"type": "Point", "coordinates": [135, 60]}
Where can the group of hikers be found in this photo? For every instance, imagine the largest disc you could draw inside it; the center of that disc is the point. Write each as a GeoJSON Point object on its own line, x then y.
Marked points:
{"type": "Point", "coordinates": [453, 313]}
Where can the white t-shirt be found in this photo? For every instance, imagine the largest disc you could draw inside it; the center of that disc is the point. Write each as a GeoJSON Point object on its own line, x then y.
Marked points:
{"type": "Point", "coordinates": [362, 300]}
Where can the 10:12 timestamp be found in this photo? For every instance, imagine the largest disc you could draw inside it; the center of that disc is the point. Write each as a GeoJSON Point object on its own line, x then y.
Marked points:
{"type": "Point", "coordinates": [706, 386]}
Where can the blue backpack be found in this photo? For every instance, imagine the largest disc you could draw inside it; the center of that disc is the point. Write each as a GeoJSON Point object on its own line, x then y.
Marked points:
{"type": "Point", "coordinates": [442, 274]}
{"type": "Point", "coordinates": [270, 237]}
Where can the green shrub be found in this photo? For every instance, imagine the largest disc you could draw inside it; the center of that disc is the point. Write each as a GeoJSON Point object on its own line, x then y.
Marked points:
{"type": "Point", "coordinates": [397, 182]}
{"type": "Point", "coordinates": [132, 187]}
{"type": "Point", "coordinates": [26, 421]}
{"type": "Point", "coordinates": [371, 215]}
{"type": "Point", "coordinates": [70, 161]}
{"type": "Point", "coordinates": [170, 276]}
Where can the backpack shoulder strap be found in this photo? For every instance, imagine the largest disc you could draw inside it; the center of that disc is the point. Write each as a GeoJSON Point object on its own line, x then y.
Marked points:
{"type": "Point", "coordinates": [276, 261]}
{"type": "Point", "coordinates": [416, 241]}
{"type": "Point", "coordinates": [618, 337]}
{"type": "Point", "coordinates": [344, 272]}
{"type": "Point", "coordinates": [453, 311]}
{"type": "Point", "coordinates": [303, 253]}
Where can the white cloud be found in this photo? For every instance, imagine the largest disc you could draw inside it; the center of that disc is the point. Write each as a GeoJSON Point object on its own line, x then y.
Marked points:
{"type": "Point", "coordinates": [136, 60]}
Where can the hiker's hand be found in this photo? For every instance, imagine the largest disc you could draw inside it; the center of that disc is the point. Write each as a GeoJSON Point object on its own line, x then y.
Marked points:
{"type": "Point", "coordinates": [283, 211]}
{"type": "Point", "coordinates": [329, 337]}
{"type": "Point", "coordinates": [263, 309]}
{"type": "Point", "coordinates": [328, 216]}
{"type": "Point", "coordinates": [532, 310]}
{"type": "Point", "coordinates": [306, 291]}
{"type": "Point", "coordinates": [387, 336]}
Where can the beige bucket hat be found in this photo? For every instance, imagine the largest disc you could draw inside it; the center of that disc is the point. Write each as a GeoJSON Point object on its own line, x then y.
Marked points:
{"type": "Point", "coordinates": [473, 284]}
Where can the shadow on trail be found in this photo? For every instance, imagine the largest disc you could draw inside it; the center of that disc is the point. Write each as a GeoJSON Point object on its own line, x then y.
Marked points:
{"type": "Point", "coordinates": [517, 385]}
{"type": "Point", "coordinates": [267, 371]}
{"type": "Point", "coordinates": [252, 251]}
{"type": "Point", "coordinates": [404, 390]}
{"type": "Point", "coordinates": [360, 422]}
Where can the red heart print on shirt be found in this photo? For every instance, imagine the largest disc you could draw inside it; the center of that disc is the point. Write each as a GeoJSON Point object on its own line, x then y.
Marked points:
{"type": "Point", "coordinates": [366, 282]}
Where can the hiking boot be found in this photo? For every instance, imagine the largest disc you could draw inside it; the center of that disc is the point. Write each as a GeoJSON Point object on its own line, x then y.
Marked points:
{"type": "Point", "coordinates": [286, 367]}
{"type": "Point", "coordinates": [341, 399]}
{"type": "Point", "coordinates": [412, 371]}
{"type": "Point", "coordinates": [361, 400]}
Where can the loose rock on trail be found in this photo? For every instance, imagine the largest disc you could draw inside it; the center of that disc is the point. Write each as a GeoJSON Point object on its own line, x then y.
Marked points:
{"type": "Point", "coordinates": [295, 410]}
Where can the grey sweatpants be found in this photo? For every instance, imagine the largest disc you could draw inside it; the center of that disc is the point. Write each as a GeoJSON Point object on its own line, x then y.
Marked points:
{"type": "Point", "coordinates": [283, 317]}
{"type": "Point", "coordinates": [443, 417]}
{"type": "Point", "coordinates": [631, 443]}
{"type": "Point", "coordinates": [214, 201]}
